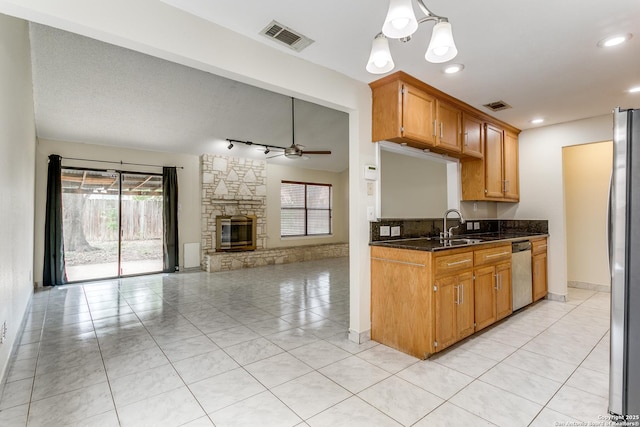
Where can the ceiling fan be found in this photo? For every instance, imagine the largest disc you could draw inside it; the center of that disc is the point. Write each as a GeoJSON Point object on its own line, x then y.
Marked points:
{"type": "Point", "coordinates": [294, 151]}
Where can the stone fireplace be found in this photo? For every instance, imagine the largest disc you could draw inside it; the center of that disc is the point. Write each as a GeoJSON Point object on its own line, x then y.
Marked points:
{"type": "Point", "coordinates": [232, 187]}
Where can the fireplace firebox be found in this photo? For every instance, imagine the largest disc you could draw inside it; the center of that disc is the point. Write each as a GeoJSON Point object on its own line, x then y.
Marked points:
{"type": "Point", "coordinates": [235, 233]}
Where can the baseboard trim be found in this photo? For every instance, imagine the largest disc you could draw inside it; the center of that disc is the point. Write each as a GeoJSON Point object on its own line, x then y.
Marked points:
{"type": "Point", "coordinates": [589, 286]}
{"type": "Point", "coordinates": [556, 297]}
{"type": "Point", "coordinates": [359, 337]}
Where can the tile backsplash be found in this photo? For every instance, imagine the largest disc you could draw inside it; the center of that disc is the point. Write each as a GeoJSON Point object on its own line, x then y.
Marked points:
{"type": "Point", "coordinates": [429, 227]}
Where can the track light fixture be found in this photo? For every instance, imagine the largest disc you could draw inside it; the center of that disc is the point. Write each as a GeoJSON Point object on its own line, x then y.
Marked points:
{"type": "Point", "coordinates": [230, 146]}
{"type": "Point", "coordinates": [400, 24]}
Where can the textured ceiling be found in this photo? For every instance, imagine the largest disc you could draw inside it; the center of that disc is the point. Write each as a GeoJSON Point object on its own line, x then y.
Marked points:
{"type": "Point", "coordinates": [93, 92]}
{"type": "Point", "coordinates": [541, 57]}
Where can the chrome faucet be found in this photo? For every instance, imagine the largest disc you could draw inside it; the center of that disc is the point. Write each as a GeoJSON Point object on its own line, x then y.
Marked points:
{"type": "Point", "coordinates": [447, 234]}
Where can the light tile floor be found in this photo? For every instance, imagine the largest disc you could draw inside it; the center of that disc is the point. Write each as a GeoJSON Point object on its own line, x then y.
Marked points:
{"type": "Point", "coordinates": [268, 347]}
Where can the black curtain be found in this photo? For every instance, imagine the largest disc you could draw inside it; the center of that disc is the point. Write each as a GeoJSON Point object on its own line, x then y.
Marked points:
{"type": "Point", "coordinates": [170, 219]}
{"type": "Point", "coordinates": [54, 271]}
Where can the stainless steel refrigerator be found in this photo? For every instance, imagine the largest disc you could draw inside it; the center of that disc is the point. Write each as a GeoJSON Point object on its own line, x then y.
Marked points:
{"type": "Point", "coordinates": [624, 253]}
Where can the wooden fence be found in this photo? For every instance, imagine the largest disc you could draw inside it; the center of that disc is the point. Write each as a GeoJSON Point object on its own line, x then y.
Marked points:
{"type": "Point", "coordinates": [141, 219]}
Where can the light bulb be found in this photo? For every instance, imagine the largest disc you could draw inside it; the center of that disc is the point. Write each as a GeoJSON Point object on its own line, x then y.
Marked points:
{"type": "Point", "coordinates": [400, 21]}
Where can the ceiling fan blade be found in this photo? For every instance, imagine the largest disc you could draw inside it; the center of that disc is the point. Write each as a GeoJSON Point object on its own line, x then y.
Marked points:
{"type": "Point", "coordinates": [316, 152]}
{"type": "Point", "coordinates": [277, 155]}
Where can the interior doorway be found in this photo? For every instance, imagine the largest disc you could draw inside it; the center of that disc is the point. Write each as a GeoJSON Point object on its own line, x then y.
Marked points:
{"type": "Point", "coordinates": [586, 176]}
{"type": "Point", "coordinates": [112, 223]}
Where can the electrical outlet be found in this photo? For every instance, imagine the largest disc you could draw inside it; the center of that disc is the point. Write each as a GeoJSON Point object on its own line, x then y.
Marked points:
{"type": "Point", "coordinates": [476, 226]}
{"type": "Point", "coordinates": [385, 231]}
{"type": "Point", "coordinates": [469, 225]}
{"type": "Point", "coordinates": [395, 231]}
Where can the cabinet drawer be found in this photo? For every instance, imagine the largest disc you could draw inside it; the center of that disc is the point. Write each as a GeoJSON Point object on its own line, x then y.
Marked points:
{"type": "Point", "coordinates": [538, 246]}
{"type": "Point", "coordinates": [492, 255]}
{"type": "Point", "coordinates": [450, 263]}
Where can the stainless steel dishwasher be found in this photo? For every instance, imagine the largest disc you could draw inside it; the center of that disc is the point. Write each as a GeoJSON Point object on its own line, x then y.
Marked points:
{"type": "Point", "coordinates": [522, 289]}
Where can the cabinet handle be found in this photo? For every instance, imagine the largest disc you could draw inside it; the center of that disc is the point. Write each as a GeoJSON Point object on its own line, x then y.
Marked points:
{"type": "Point", "coordinates": [466, 139]}
{"type": "Point", "coordinates": [495, 255]}
{"type": "Point", "coordinates": [507, 185]}
{"type": "Point", "coordinates": [461, 298]}
{"type": "Point", "coordinates": [441, 136]}
{"type": "Point", "coordinates": [542, 246]}
{"type": "Point", "coordinates": [498, 282]}
{"type": "Point", "coordinates": [457, 301]}
{"type": "Point", "coordinates": [449, 264]}
{"type": "Point", "coordinates": [435, 126]}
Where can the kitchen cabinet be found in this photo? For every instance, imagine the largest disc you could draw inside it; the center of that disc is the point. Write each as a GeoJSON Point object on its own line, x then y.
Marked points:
{"type": "Point", "coordinates": [492, 285]}
{"type": "Point", "coordinates": [453, 298]}
{"type": "Point", "coordinates": [472, 136]}
{"type": "Point", "coordinates": [449, 130]}
{"type": "Point", "coordinates": [495, 177]}
{"type": "Point", "coordinates": [423, 302]}
{"type": "Point", "coordinates": [539, 268]}
{"type": "Point", "coordinates": [408, 111]}
{"type": "Point", "coordinates": [401, 300]}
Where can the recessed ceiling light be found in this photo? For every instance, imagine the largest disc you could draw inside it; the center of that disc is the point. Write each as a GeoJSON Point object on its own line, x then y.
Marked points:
{"type": "Point", "coordinates": [614, 40]}
{"type": "Point", "coordinates": [536, 121]}
{"type": "Point", "coordinates": [634, 89]}
{"type": "Point", "coordinates": [453, 68]}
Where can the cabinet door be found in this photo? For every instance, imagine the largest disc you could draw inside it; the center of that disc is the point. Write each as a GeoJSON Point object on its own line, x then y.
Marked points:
{"type": "Point", "coordinates": [418, 115]}
{"type": "Point", "coordinates": [449, 128]}
{"type": "Point", "coordinates": [446, 297]}
{"type": "Point", "coordinates": [493, 162]}
{"type": "Point", "coordinates": [504, 301]}
{"type": "Point", "coordinates": [539, 271]}
{"type": "Point", "coordinates": [472, 136]}
{"type": "Point", "coordinates": [465, 308]}
{"type": "Point", "coordinates": [511, 183]}
{"type": "Point", "coordinates": [484, 296]}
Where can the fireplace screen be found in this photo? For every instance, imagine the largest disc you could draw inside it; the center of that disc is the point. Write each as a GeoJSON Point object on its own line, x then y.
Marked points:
{"type": "Point", "coordinates": [235, 233]}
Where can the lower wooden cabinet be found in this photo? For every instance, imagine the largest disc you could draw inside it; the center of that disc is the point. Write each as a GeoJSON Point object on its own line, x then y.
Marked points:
{"type": "Point", "coordinates": [423, 302]}
{"type": "Point", "coordinates": [539, 268]}
{"type": "Point", "coordinates": [454, 309]}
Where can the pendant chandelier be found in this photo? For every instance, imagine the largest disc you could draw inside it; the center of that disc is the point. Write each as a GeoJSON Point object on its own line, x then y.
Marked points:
{"type": "Point", "coordinates": [400, 24]}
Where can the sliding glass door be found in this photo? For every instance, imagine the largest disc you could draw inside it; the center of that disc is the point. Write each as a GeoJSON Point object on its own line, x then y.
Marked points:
{"type": "Point", "coordinates": [141, 224]}
{"type": "Point", "coordinates": [112, 223]}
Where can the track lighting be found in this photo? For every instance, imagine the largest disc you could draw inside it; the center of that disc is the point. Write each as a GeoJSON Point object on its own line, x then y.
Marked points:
{"type": "Point", "coordinates": [401, 23]}
{"type": "Point", "coordinates": [266, 150]}
{"type": "Point", "coordinates": [230, 146]}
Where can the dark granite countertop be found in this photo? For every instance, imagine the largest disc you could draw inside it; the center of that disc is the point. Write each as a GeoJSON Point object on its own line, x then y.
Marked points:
{"type": "Point", "coordinates": [460, 241]}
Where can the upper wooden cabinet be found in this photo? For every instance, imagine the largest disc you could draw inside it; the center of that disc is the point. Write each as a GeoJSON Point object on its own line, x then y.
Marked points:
{"type": "Point", "coordinates": [472, 136]}
{"type": "Point", "coordinates": [449, 127]}
{"type": "Point", "coordinates": [494, 178]}
{"type": "Point", "coordinates": [408, 111]}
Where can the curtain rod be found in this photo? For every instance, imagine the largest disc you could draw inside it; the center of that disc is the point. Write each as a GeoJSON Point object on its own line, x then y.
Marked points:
{"type": "Point", "coordinates": [120, 162]}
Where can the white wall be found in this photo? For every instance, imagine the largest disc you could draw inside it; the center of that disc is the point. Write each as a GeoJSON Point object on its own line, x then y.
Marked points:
{"type": "Point", "coordinates": [340, 185]}
{"type": "Point", "coordinates": [17, 153]}
{"type": "Point", "coordinates": [188, 184]}
{"type": "Point", "coordinates": [587, 173]}
{"type": "Point", "coordinates": [412, 187]}
{"type": "Point", "coordinates": [181, 37]}
{"type": "Point", "coordinates": [541, 184]}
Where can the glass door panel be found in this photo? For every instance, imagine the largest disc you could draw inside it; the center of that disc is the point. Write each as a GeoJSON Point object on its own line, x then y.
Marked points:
{"type": "Point", "coordinates": [141, 224]}
{"type": "Point", "coordinates": [90, 207]}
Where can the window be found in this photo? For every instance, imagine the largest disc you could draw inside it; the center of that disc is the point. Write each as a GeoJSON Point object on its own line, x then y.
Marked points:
{"type": "Point", "coordinates": [305, 209]}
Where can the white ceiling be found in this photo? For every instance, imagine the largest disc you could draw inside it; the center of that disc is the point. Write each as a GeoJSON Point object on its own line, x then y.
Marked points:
{"type": "Point", "coordinates": [93, 92]}
{"type": "Point", "coordinates": [538, 56]}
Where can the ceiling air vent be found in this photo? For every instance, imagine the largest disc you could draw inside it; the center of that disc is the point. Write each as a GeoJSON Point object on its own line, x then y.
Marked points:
{"type": "Point", "coordinates": [497, 106]}
{"type": "Point", "coordinates": [286, 36]}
